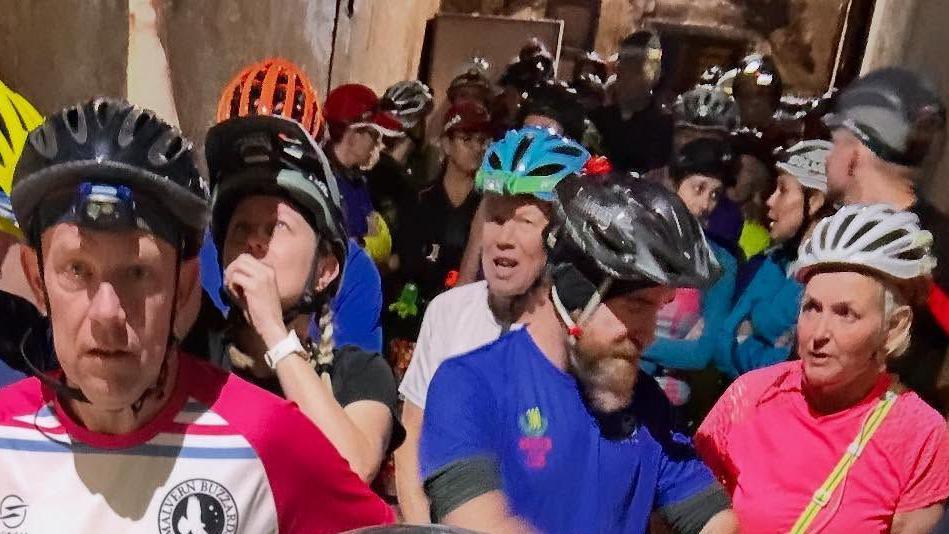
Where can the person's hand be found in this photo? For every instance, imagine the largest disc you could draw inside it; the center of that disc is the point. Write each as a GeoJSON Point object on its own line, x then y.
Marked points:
{"type": "Point", "coordinates": [253, 285]}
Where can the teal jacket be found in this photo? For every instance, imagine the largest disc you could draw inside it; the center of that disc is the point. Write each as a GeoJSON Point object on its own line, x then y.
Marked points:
{"type": "Point", "coordinates": [698, 353]}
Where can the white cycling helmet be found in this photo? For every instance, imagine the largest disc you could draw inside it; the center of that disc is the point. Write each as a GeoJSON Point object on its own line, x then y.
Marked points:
{"type": "Point", "coordinates": [871, 236]}
{"type": "Point", "coordinates": [806, 161]}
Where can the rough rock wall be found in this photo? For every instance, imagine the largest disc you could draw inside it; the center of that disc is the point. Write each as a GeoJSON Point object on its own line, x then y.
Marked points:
{"type": "Point", "coordinates": [62, 51]}
{"type": "Point", "coordinates": [803, 35]}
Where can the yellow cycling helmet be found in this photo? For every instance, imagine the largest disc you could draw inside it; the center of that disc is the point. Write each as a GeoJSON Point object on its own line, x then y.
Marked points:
{"type": "Point", "coordinates": [17, 118]}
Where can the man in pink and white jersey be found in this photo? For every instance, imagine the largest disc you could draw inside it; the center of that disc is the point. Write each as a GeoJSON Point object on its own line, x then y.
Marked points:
{"type": "Point", "coordinates": [132, 435]}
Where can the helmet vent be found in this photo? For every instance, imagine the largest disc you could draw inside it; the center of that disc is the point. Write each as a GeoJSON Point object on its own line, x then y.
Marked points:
{"type": "Point", "coordinates": [44, 140]}
{"type": "Point", "coordinates": [76, 123]}
{"type": "Point", "coordinates": [547, 170]}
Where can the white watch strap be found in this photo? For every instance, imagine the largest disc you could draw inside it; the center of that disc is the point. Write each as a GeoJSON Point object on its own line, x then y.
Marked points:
{"type": "Point", "coordinates": [290, 345]}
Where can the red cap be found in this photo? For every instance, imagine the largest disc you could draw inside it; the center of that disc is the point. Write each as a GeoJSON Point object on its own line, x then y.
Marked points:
{"type": "Point", "coordinates": [355, 105]}
{"type": "Point", "coordinates": [467, 116]}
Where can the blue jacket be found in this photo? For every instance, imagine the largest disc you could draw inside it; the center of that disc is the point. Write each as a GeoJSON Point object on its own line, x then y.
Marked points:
{"type": "Point", "coordinates": [759, 330]}
{"type": "Point", "coordinates": [698, 353]}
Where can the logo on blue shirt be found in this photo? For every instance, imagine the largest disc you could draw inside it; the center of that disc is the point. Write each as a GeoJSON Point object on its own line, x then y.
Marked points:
{"type": "Point", "coordinates": [534, 444]}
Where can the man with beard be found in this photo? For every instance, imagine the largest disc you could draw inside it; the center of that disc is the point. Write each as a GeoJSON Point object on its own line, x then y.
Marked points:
{"type": "Point", "coordinates": [552, 428]}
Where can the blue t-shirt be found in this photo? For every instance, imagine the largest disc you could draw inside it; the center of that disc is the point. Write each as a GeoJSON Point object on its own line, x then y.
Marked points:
{"type": "Point", "coordinates": [558, 469]}
{"type": "Point", "coordinates": [356, 307]}
{"type": "Point", "coordinates": [357, 203]}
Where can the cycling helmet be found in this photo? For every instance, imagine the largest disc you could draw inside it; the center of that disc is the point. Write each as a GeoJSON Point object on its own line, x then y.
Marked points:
{"type": "Point", "coordinates": [806, 161]}
{"type": "Point", "coordinates": [474, 75]}
{"type": "Point", "coordinates": [145, 160]}
{"type": "Point", "coordinates": [706, 107]}
{"type": "Point", "coordinates": [354, 105]}
{"type": "Point", "coordinates": [409, 101]}
{"type": "Point", "coordinates": [531, 160]}
{"type": "Point", "coordinates": [894, 112]}
{"type": "Point", "coordinates": [559, 101]}
{"type": "Point", "coordinates": [17, 118]}
{"type": "Point", "coordinates": [272, 87]}
{"type": "Point", "coordinates": [612, 234]}
{"type": "Point", "coordinates": [590, 63]}
{"type": "Point", "coordinates": [868, 236]}
{"type": "Point", "coordinates": [258, 156]}
{"type": "Point", "coordinates": [707, 156]}
{"type": "Point", "coordinates": [757, 73]}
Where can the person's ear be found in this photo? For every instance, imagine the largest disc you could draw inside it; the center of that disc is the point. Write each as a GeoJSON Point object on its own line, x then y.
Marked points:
{"type": "Point", "coordinates": [898, 331]}
{"type": "Point", "coordinates": [327, 271]}
{"type": "Point", "coordinates": [31, 269]}
{"type": "Point", "coordinates": [815, 201]}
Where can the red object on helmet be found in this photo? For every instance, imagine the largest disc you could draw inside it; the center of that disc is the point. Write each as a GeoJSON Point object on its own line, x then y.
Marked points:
{"type": "Point", "coordinates": [272, 87]}
{"type": "Point", "coordinates": [597, 165]}
{"type": "Point", "coordinates": [467, 116]}
{"type": "Point", "coordinates": [355, 105]}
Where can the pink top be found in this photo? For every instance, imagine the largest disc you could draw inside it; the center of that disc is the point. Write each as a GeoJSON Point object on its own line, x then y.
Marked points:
{"type": "Point", "coordinates": [222, 454]}
{"type": "Point", "coordinates": [772, 453]}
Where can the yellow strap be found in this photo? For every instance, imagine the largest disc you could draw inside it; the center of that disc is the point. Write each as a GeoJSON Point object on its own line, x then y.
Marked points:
{"type": "Point", "coordinates": [822, 496]}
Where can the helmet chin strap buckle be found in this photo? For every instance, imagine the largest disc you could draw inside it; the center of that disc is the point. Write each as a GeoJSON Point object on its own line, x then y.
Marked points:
{"type": "Point", "coordinates": [574, 330]}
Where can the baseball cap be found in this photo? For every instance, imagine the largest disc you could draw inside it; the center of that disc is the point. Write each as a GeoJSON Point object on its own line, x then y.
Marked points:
{"type": "Point", "coordinates": [467, 116]}
{"type": "Point", "coordinates": [894, 112]}
{"type": "Point", "coordinates": [806, 161]}
{"type": "Point", "coordinates": [355, 105]}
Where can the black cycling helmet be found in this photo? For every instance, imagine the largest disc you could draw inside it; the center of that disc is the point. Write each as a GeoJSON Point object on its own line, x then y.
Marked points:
{"type": "Point", "coordinates": [409, 101]}
{"type": "Point", "coordinates": [559, 101]}
{"type": "Point", "coordinates": [894, 112]}
{"type": "Point", "coordinates": [755, 74]}
{"type": "Point", "coordinates": [124, 148]}
{"type": "Point", "coordinates": [611, 234]}
{"type": "Point", "coordinates": [708, 156]}
{"type": "Point", "coordinates": [271, 155]}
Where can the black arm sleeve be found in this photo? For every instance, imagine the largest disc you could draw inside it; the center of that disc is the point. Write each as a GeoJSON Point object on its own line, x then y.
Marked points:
{"type": "Point", "coordinates": [690, 515]}
{"type": "Point", "coordinates": [459, 482]}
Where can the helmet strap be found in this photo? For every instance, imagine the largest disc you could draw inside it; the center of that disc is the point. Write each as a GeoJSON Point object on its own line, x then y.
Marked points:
{"type": "Point", "coordinates": [574, 328]}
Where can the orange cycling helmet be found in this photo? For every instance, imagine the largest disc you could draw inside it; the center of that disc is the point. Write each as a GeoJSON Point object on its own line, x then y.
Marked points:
{"type": "Point", "coordinates": [272, 87]}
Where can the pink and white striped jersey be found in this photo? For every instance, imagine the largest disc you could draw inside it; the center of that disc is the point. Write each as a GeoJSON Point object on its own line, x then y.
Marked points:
{"type": "Point", "coordinates": [223, 456]}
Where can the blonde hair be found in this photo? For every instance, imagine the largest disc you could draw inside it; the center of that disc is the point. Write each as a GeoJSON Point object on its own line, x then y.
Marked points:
{"type": "Point", "coordinates": [324, 356]}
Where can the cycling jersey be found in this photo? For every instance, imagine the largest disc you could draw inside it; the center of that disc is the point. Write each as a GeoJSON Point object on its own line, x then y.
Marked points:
{"type": "Point", "coordinates": [222, 456]}
{"type": "Point", "coordinates": [562, 468]}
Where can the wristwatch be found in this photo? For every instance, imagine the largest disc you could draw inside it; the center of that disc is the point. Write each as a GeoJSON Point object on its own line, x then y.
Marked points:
{"type": "Point", "coordinates": [289, 346]}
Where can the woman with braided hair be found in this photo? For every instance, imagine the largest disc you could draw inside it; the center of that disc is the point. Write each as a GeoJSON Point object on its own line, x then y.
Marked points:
{"type": "Point", "coordinates": [283, 243]}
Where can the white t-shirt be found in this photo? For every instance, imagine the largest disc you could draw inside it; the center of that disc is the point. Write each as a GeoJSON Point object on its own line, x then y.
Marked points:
{"type": "Point", "coordinates": [456, 322]}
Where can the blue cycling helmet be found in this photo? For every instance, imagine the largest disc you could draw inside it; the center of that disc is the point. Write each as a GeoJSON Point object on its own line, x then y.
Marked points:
{"type": "Point", "coordinates": [532, 161]}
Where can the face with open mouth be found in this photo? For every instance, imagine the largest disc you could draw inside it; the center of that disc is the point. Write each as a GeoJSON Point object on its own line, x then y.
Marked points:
{"type": "Point", "coordinates": [513, 255]}
{"type": "Point", "coordinates": [842, 331]}
{"type": "Point", "coordinates": [785, 208]}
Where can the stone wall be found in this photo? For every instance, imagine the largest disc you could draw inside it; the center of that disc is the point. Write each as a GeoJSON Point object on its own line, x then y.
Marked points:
{"type": "Point", "coordinates": [61, 51]}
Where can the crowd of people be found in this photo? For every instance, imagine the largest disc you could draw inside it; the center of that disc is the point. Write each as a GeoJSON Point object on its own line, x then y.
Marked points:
{"type": "Point", "coordinates": [588, 306]}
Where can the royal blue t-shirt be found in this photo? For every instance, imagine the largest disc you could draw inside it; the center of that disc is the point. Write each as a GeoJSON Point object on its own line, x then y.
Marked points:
{"type": "Point", "coordinates": [356, 307]}
{"type": "Point", "coordinates": [357, 203]}
{"type": "Point", "coordinates": [558, 469]}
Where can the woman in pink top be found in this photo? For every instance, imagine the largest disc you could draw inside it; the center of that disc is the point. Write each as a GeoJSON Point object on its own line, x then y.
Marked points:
{"type": "Point", "coordinates": [778, 433]}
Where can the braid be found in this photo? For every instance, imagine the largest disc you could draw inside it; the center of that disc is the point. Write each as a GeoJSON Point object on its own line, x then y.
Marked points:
{"type": "Point", "coordinates": [324, 358]}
